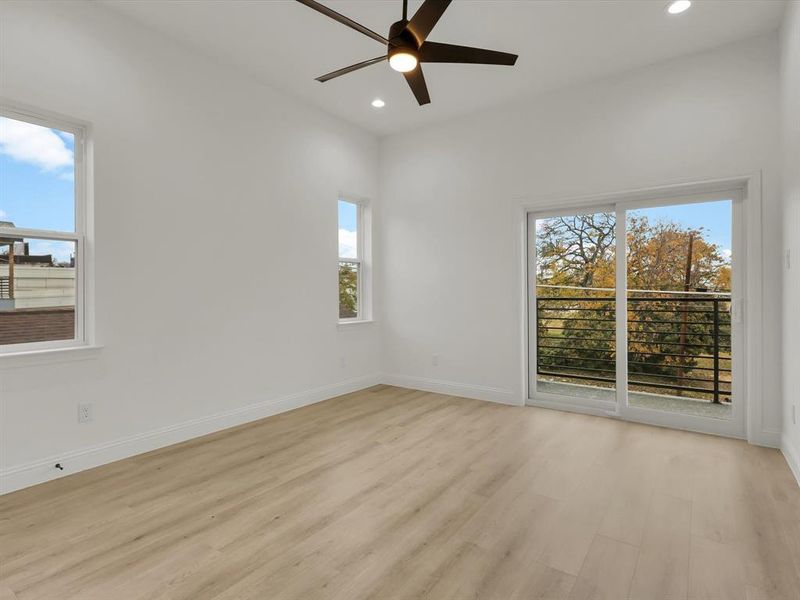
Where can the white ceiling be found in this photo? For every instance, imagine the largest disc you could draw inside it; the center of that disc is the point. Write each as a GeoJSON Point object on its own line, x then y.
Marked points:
{"type": "Point", "coordinates": [560, 42]}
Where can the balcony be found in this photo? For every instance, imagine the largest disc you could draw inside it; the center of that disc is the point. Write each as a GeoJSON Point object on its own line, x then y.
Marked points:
{"type": "Point", "coordinates": [679, 348]}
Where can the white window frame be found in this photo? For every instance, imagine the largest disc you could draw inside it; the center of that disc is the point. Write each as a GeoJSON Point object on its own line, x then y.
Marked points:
{"type": "Point", "coordinates": [81, 236]}
{"type": "Point", "coordinates": [363, 259]}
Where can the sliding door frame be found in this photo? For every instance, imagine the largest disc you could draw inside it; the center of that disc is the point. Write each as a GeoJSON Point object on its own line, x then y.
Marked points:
{"type": "Point", "coordinates": [591, 405]}
{"type": "Point", "coordinates": [745, 192]}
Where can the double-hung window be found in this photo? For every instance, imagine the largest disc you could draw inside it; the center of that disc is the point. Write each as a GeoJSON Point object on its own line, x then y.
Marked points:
{"type": "Point", "coordinates": [42, 232]}
{"type": "Point", "coordinates": [354, 275]}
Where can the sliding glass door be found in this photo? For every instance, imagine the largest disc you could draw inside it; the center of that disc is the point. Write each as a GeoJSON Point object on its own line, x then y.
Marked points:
{"type": "Point", "coordinates": [574, 290]}
{"type": "Point", "coordinates": [679, 269]}
{"type": "Point", "coordinates": [631, 311]}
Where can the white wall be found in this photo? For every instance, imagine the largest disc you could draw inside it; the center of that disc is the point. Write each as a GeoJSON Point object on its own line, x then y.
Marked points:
{"type": "Point", "coordinates": [790, 110]}
{"type": "Point", "coordinates": [216, 239]}
{"type": "Point", "coordinates": [451, 199]}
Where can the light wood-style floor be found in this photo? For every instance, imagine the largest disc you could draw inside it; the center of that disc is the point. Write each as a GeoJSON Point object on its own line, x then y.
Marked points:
{"type": "Point", "coordinates": [392, 493]}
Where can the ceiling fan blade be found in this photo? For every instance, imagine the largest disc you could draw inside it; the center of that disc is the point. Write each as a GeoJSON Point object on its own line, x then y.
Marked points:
{"type": "Point", "coordinates": [344, 20]}
{"type": "Point", "coordinates": [425, 19]}
{"type": "Point", "coordinates": [434, 52]}
{"type": "Point", "coordinates": [416, 81]}
{"type": "Point", "coordinates": [350, 69]}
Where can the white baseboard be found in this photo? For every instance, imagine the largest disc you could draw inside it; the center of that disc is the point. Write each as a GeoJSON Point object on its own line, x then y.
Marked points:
{"type": "Point", "coordinates": [582, 409]}
{"type": "Point", "coordinates": [452, 388]}
{"type": "Point", "coordinates": [792, 455]}
{"type": "Point", "coordinates": [22, 476]}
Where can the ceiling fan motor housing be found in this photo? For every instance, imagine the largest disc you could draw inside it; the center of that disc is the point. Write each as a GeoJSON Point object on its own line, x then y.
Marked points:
{"type": "Point", "coordinates": [401, 40]}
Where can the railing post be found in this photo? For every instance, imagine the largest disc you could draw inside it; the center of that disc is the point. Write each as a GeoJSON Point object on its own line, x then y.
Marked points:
{"type": "Point", "coordinates": [716, 350]}
{"type": "Point", "coordinates": [11, 270]}
{"type": "Point", "coordinates": [538, 341]}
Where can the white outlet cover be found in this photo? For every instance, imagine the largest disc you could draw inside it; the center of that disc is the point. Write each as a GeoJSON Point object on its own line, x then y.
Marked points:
{"type": "Point", "coordinates": [84, 413]}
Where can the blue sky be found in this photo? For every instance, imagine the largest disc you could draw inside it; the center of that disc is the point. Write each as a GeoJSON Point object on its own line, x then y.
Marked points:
{"type": "Point", "coordinates": [348, 226]}
{"type": "Point", "coordinates": [37, 182]}
{"type": "Point", "coordinates": [37, 176]}
{"type": "Point", "coordinates": [715, 217]}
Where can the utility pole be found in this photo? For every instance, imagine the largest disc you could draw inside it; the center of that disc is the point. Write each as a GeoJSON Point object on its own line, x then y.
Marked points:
{"type": "Point", "coordinates": [687, 282]}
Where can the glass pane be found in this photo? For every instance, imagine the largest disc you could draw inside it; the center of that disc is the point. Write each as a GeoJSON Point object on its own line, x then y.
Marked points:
{"type": "Point", "coordinates": [37, 290]}
{"type": "Point", "coordinates": [679, 321]}
{"type": "Point", "coordinates": [37, 176]}
{"type": "Point", "coordinates": [348, 290]}
{"type": "Point", "coordinates": [348, 229]}
{"type": "Point", "coordinates": [575, 306]}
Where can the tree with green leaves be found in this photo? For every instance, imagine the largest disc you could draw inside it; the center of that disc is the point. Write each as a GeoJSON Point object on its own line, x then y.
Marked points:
{"type": "Point", "coordinates": [348, 291]}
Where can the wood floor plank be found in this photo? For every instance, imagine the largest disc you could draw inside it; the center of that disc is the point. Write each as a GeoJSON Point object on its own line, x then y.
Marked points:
{"type": "Point", "coordinates": [607, 571]}
{"type": "Point", "coordinates": [626, 516]}
{"type": "Point", "coordinates": [766, 555]}
{"type": "Point", "coordinates": [569, 535]}
{"type": "Point", "coordinates": [542, 583]}
{"type": "Point", "coordinates": [716, 492]}
{"type": "Point", "coordinates": [714, 571]}
{"type": "Point", "coordinates": [662, 571]}
{"type": "Point", "coordinates": [390, 493]}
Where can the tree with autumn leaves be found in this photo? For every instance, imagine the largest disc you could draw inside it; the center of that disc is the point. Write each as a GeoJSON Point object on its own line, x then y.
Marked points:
{"type": "Point", "coordinates": [657, 255]}
{"type": "Point", "coordinates": [579, 251]}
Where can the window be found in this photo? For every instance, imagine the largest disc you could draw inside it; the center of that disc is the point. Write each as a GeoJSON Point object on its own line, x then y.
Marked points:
{"type": "Point", "coordinates": [353, 261]}
{"type": "Point", "coordinates": [41, 232]}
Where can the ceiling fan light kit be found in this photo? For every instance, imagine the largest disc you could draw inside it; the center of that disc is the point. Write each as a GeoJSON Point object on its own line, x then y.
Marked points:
{"type": "Point", "coordinates": [407, 46]}
{"type": "Point", "coordinates": [403, 60]}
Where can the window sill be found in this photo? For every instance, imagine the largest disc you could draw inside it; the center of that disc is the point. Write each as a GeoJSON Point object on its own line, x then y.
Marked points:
{"type": "Point", "coordinates": [355, 322]}
{"type": "Point", "coordinates": [45, 356]}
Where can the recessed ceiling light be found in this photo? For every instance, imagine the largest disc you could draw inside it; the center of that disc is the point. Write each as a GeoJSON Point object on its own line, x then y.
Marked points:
{"type": "Point", "coordinates": [378, 103]}
{"type": "Point", "coordinates": [676, 7]}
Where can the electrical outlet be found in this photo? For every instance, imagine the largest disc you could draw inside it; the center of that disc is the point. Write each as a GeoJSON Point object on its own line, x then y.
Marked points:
{"type": "Point", "coordinates": [435, 360]}
{"type": "Point", "coordinates": [85, 413]}
{"type": "Point", "coordinates": [788, 259]}
{"type": "Point", "coordinates": [343, 362]}
{"type": "Point", "coordinates": [794, 414]}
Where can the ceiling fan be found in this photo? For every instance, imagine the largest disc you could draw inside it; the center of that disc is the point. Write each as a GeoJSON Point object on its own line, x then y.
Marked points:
{"type": "Point", "coordinates": [407, 46]}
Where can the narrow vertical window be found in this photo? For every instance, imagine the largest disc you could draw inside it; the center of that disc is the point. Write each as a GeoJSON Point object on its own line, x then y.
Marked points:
{"type": "Point", "coordinates": [350, 271]}
{"type": "Point", "coordinates": [355, 261]}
